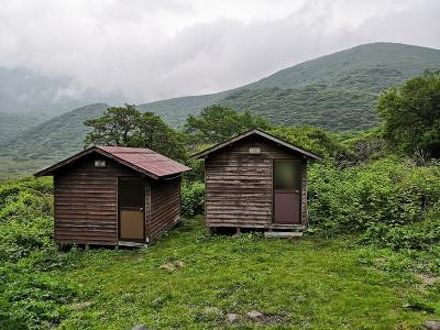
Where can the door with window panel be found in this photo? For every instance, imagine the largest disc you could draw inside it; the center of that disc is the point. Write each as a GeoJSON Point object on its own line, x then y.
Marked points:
{"type": "Point", "coordinates": [287, 191]}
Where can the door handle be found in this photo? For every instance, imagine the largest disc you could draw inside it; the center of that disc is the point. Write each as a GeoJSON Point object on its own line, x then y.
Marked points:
{"type": "Point", "coordinates": [141, 209]}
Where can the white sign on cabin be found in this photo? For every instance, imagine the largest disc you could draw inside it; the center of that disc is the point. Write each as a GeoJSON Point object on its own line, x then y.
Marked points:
{"type": "Point", "coordinates": [255, 150]}
{"type": "Point", "coordinates": [99, 163]}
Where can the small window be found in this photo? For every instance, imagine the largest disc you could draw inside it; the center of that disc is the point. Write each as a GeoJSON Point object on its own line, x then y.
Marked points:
{"type": "Point", "coordinates": [287, 175]}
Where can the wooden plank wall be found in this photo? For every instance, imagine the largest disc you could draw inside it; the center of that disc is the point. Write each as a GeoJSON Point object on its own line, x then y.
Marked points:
{"type": "Point", "coordinates": [165, 206]}
{"type": "Point", "coordinates": [239, 185]}
{"type": "Point", "coordinates": [86, 206]}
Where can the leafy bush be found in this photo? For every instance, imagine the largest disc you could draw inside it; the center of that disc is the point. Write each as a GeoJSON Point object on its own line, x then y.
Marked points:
{"type": "Point", "coordinates": [313, 139]}
{"type": "Point", "coordinates": [193, 198]}
{"type": "Point", "coordinates": [32, 300]}
{"type": "Point", "coordinates": [391, 202]}
{"type": "Point", "coordinates": [26, 222]}
{"type": "Point", "coordinates": [365, 146]}
{"type": "Point", "coordinates": [419, 236]}
{"type": "Point", "coordinates": [29, 297]}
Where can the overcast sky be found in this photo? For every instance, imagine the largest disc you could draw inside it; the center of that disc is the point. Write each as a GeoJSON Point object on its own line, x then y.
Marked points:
{"type": "Point", "coordinates": [157, 49]}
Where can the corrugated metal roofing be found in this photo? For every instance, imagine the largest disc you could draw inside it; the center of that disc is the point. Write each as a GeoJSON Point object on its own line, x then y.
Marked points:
{"type": "Point", "coordinates": [147, 160]}
{"type": "Point", "coordinates": [142, 160]}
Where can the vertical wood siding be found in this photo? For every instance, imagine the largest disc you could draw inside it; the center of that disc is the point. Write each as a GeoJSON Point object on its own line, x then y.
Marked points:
{"type": "Point", "coordinates": [239, 188]}
{"type": "Point", "coordinates": [86, 206]}
{"type": "Point", "coordinates": [165, 206]}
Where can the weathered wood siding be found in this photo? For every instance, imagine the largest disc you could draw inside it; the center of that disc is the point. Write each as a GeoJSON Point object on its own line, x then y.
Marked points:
{"type": "Point", "coordinates": [165, 206]}
{"type": "Point", "coordinates": [239, 188]}
{"type": "Point", "coordinates": [86, 202]}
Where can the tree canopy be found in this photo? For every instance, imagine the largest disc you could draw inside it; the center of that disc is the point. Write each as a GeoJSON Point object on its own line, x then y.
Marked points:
{"type": "Point", "coordinates": [411, 115]}
{"type": "Point", "coordinates": [126, 126]}
{"type": "Point", "coordinates": [217, 123]}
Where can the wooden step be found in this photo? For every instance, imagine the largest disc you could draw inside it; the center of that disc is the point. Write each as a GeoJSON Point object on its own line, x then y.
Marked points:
{"type": "Point", "coordinates": [132, 244]}
{"type": "Point", "coordinates": [286, 226]}
{"type": "Point", "coordinates": [283, 234]}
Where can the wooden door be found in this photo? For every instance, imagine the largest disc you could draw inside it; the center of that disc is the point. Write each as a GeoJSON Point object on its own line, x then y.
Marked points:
{"type": "Point", "coordinates": [131, 209]}
{"type": "Point", "coordinates": [287, 191]}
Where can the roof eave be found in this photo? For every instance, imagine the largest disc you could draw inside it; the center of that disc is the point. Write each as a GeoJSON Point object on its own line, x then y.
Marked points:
{"type": "Point", "coordinates": [49, 171]}
{"type": "Point", "coordinates": [205, 153]}
{"type": "Point", "coordinates": [129, 165]}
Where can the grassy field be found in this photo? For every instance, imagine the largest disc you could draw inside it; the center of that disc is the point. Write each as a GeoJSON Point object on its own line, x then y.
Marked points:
{"type": "Point", "coordinates": [305, 284]}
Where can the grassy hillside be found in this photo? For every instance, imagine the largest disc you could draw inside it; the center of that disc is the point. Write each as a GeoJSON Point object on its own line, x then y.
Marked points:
{"type": "Point", "coordinates": [313, 283]}
{"type": "Point", "coordinates": [13, 124]}
{"type": "Point", "coordinates": [27, 98]}
{"type": "Point", "coordinates": [372, 66]}
{"type": "Point", "coordinates": [337, 92]}
{"type": "Point", "coordinates": [46, 142]}
{"type": "Point", "coordinates": [319, 284]}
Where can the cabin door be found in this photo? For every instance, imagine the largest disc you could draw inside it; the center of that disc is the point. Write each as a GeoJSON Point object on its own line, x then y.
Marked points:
{"type": "Point", "coordinates": [287, 191]}
{"type": "Point", "coordinates": [131, 199]}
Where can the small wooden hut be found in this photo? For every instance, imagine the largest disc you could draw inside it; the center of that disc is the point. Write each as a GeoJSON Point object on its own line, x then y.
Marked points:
{"type": "Point", "coordinates": [115, 196]}
{"type": "Point", "coordinates": [256, 180]}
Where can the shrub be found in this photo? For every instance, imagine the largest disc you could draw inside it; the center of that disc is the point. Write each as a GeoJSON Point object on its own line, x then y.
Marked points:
{"type": "Point", "coordinates": [30, 300]}
{"type": "Point", "coordinates": [193, 198]}
{"type": "Point", "coordinates": [26, 223]}
{"type": "Point", "coordinates": [419, 236]}
{"type": "Point", "coordinates": [391, 202]}
{"type": "Point", "coordinates": [29, 297]}
{"type": "Point", "coordinates": [319, 141]}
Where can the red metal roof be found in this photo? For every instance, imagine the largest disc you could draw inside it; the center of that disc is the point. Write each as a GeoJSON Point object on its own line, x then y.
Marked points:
{"type": "Point", "coordinates": [142, 160]}
{"type": "Point", "coordinates": [147, 160]}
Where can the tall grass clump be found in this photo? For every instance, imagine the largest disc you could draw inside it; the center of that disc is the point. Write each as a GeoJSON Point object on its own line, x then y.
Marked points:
{"type": "Point", "coordinates": [389, 202]}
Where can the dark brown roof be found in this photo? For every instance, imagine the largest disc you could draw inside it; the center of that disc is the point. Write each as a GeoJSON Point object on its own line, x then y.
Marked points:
{"type": "Point", "coordinates": [141, 160]}
{"type": "Point", "coordinates": [258, 132]}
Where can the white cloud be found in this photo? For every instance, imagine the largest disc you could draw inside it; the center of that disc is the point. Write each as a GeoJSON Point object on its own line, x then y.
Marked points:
{"type": "Point", "coordinates": [158, 49]}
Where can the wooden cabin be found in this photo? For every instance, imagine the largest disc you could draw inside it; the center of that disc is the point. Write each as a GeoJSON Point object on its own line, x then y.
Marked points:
{"type": "Point", "coordinates": [115, 196]}
{"type": "Point", "coordinates": [258, 181]}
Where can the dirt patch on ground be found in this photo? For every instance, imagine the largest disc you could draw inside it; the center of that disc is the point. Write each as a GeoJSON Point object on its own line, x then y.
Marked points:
{"type": "Point", "coordinates": [427, 279]}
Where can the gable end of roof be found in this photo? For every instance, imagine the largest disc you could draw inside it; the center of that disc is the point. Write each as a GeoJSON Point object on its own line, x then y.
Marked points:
{"type": "Point", "coordinates": [270, 137]}
{"type": "Point", "coordinates": [141, 160]}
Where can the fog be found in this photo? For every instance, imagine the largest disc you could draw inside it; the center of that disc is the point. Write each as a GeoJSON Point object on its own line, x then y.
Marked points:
{"type": "Point", "coordinates": [149, 50]}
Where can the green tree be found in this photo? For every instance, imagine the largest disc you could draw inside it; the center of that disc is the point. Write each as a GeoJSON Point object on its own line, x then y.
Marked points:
{"type": "Point", "coordinates": [118, 126]}
{"type": "Point", "coordinates": [316, 140]}
{"type": "Point", "coordinates": [217, 123]}
{"type": "Point", "coordinates": [126, 126]}
{"type": "Point", "coordinates": [411, 114]}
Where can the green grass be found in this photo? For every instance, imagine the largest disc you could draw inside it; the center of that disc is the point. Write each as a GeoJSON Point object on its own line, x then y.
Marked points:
{"type": "Point", "coordinates": [307, 284]}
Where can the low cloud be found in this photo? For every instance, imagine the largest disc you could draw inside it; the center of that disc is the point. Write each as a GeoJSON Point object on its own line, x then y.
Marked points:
{"type": "Point", "coordinates": [149, 50]}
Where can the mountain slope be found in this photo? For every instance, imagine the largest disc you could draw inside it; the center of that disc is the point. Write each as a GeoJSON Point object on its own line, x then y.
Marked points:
{"type": "Point", "coordinates": [14, 123]}
{"type": "Point", "coordinates": [357, 67]}
{"type": "Point", "coordinates": [336, 91]}
{"type": "Point", "coordinates": [27, 98]}
{"type": "Point", "coordinates": [56, 137]}
{"type": "Point", "coordinates": [26, 91]}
